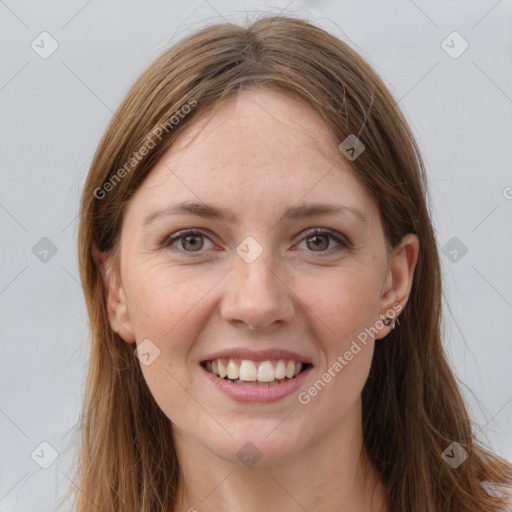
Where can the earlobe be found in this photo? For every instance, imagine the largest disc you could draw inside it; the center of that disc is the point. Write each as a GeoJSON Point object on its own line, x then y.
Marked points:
{"type": "Point", "coordinates": [117, 306]}
{"type": "Point", "coordinates": [399, 279]}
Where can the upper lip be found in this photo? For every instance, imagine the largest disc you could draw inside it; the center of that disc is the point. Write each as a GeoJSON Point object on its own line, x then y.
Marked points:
{"type": "Point", "coordinates": [257, 355]}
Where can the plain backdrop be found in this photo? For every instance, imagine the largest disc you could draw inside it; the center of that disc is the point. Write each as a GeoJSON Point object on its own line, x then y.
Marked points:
{"type": "Point", "coordinates": [455, 90]}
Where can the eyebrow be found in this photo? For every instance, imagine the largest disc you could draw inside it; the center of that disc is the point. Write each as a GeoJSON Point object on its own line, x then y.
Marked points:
{"type": "Point", "coordinates": [223, 214]}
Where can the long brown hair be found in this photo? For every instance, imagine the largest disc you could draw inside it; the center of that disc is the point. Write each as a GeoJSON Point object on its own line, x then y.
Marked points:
{"type": "Point", "coordinates": [412, 407]}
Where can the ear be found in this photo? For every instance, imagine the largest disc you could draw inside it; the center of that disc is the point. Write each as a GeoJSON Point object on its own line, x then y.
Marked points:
{"type": "Point", "coordinates": [398, 285]}
{"type": "Point", "coordinates": [117, 307]}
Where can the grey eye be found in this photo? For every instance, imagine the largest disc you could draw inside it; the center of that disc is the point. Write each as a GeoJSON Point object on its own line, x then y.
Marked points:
{"type": "Point", "coordinates": [190, 241]}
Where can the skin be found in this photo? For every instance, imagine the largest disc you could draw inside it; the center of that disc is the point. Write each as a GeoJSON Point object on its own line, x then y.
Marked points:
{"type": "Point", "coordinates": [258, 155]}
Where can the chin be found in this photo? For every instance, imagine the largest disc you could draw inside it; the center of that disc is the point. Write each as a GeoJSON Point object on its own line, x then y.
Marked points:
{"type": "Point", "coordinates": [258, 444]}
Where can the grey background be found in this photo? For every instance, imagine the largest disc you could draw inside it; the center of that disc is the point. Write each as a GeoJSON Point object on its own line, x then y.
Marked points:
{"type": "Point", "coordinates": [54, 111]}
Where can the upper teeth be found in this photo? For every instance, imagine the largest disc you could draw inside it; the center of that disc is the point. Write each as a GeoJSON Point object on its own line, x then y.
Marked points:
{"type": "Point", "coordinates": [251, 371]}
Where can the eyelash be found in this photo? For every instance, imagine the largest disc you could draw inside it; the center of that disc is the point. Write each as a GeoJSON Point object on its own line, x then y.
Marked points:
{"type": "Point", "coordinates": [343, 241]}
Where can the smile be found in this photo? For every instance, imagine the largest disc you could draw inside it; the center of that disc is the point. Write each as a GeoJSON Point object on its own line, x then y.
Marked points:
{"type": "Point", "coordinates": [246, 372]}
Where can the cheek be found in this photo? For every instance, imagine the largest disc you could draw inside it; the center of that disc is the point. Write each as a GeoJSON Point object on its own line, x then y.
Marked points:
{"type": "Point", "coordinates": [168, 307]}
{"type": "Point", "coordinates": [343, 306]}
{"type": "Point", "coordinates": [166, 304]}
{"type": "Point", "coordinates": [343, 302]}
{"type": "Point", "coordinates": [348, 352]}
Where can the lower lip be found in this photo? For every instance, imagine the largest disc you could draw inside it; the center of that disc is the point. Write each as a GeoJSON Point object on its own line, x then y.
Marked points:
{"type": "Point", "coordinates": [257, 394]}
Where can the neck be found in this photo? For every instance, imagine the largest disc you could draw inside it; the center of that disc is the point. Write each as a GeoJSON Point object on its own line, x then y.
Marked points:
{"type": "Point", "coordinates": [332, 474]}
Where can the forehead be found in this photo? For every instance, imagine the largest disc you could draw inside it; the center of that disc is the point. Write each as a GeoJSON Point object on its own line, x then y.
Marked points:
{"type": "Point", "coordinates": [257, 154]}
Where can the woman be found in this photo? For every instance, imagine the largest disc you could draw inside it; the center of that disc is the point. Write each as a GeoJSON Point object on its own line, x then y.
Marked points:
{"type": "Point", "coordinates": [264, 292]}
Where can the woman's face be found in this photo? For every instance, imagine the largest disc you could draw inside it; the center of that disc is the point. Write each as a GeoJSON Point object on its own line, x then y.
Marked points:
{"type": "Point", "coordinates": [253, 284]}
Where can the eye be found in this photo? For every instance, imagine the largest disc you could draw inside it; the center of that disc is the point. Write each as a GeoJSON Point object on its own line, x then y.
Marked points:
{"type": "Point", "coordinates": [318, 240]}
{"type": "Point", "coordinates": [191, 240]}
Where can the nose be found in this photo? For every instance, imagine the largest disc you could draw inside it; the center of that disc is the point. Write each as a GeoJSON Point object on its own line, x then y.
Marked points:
{"type": "Point", "coordinates": [257, 296]}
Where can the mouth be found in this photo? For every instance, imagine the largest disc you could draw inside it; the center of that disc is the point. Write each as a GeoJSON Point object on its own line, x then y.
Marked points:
{"type": "Point", "coordinates": [246, 372]}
